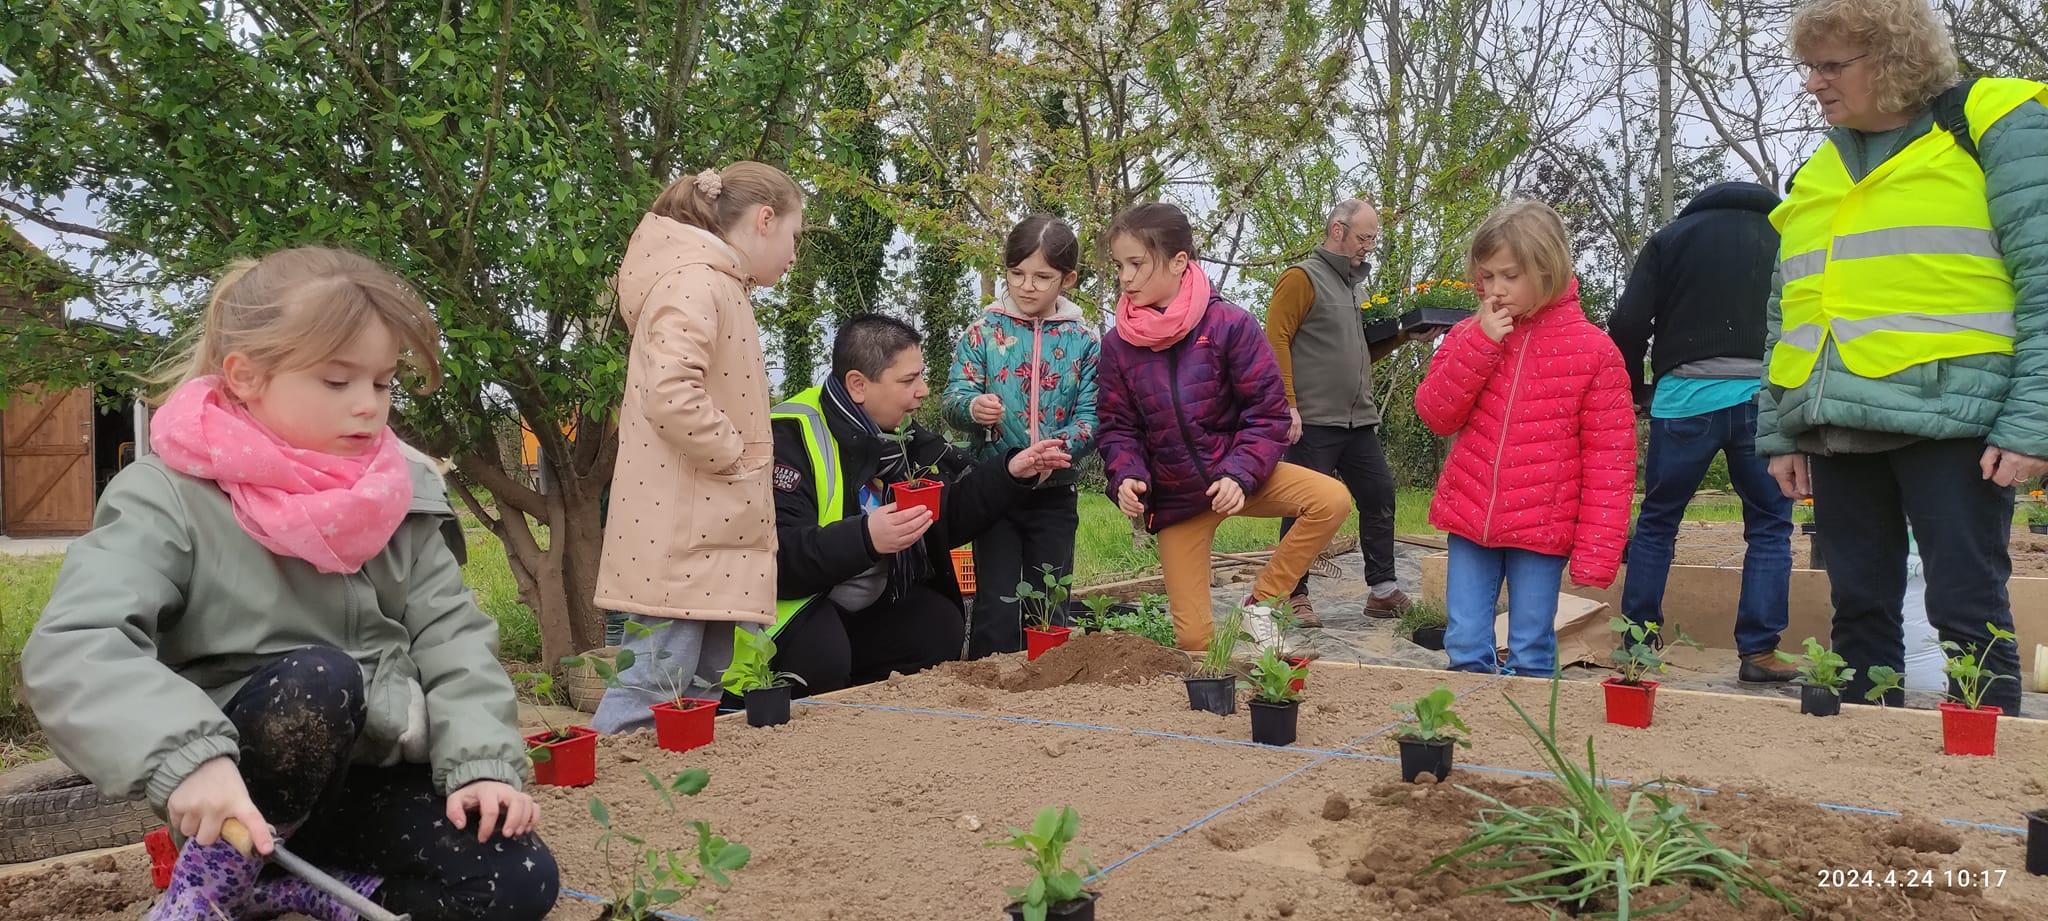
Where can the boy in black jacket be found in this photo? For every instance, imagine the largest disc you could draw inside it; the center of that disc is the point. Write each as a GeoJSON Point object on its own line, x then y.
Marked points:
{"type": "Point", "coordinates": [865, 588]}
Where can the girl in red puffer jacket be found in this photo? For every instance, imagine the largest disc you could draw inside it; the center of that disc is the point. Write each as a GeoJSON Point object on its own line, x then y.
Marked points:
{"type": "Point", "coordinates": [1543, 467]}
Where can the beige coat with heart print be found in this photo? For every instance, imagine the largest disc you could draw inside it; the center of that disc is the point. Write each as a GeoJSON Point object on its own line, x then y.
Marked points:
{"type": "Point", "coordinates": [691, 530]}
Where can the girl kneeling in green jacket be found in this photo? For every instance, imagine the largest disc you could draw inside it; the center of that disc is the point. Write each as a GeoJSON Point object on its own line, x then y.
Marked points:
{"type": "Point", "coordinates": [267, 627]}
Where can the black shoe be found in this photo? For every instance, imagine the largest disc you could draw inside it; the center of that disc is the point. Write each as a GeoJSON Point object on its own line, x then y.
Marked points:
{"type": "Point", "coordinates": [1763, 669]}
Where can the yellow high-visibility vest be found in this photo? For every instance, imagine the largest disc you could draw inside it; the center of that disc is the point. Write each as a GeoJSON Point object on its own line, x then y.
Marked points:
{"type": "Point", "coordinates": [823, 450]}
{"type": "Point", "coordinates": [1902, 267]}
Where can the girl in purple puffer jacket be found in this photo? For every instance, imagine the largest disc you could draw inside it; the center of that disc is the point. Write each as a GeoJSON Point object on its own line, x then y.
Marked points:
{"type": "Point", "coordinates": [1193, 421]}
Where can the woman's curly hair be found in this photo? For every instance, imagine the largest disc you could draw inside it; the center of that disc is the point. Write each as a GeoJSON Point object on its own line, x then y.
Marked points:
{"type": "Point", "coordinates": [1912, 58]}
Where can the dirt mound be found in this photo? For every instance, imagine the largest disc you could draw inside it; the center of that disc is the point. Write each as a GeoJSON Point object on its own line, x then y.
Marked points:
{"type": "Point", "coordinates": [62, 893]}
{"type": "Point", "coordinates": [1112, 659]}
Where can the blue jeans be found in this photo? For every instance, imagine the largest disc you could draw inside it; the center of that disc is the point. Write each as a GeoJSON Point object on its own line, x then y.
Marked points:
{"type": "Point", "coordinates": [1680, 451]}
{"type": "Point", "coordinates": [1471, 590]}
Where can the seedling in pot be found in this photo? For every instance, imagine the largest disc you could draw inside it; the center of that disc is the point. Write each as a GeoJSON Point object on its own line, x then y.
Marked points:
{"type": "Point", "coordinates": [1423, 624]}
{"type": "Point", "coordinates": [1426, 739]}
{"type": "Point", "coordinates": [562, 756]}
{"type": "Point", "coordinates": [1055, 890]}
{"type": "Point", "coordinates": [681, 722]}
{"type": "Point", "coordinates": [1822, 675]}
{"type": "Point", "coordinates": [752, 678]}
{"type": "Point", "coordinates": [1967, 670]}
{"type": "Point", "coordinates": [1631, 696]}
{"type": "Point", "coordinates": [658, 876]}
{"type": "Point", "coordinates": [1041, 606]}
{"type": "Point", "coordinates": [1968, 727]}
{"type": "Point", "coordinates": [1213, 686]}
{"type": "Point", "coordinates": [1276, 697]}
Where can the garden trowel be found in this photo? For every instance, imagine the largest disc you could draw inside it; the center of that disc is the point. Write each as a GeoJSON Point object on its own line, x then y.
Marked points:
{"type": "Point", "coordinates": [236, 834]}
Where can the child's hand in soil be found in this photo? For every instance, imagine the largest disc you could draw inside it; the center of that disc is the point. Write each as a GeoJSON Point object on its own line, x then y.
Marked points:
{"type": "Point", "coordinates": [1044, 457]}
{"type": "Point", "coordinates": [986, 409]}
{"type": "Point", "coordinates": [211, 795]}
{"type": "Point", "coordinates": [1225, 496]}
{"type": "Point", "coordinates": [493, 800]}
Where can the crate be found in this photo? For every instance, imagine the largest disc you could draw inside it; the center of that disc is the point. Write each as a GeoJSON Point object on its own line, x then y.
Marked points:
{"type": "Point", "coordinates": [963, 569]}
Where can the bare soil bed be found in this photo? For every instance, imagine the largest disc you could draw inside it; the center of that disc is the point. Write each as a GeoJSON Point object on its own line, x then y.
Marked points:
{"type": "Point", "coordinates": [875, 804]}
{"type": "Point", "coordinates": [1719, 543]}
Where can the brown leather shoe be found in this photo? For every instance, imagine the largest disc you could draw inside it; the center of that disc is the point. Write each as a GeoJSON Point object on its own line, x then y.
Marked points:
{"type": "Point", "coordinates": [1304, 613]}
{"type": "Point", "coordinates": [1387, 608]}
{"type": "Point", "coordinates": [1764, 669]}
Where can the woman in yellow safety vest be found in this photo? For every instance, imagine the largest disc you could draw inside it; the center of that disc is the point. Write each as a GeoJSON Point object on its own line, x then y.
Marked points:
{"type": "Point", "coordinates": [1907, 374]}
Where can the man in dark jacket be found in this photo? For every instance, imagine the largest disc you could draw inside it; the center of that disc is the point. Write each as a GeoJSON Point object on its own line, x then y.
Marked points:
{"type": "Point", "coordinates": [1696, 301]}
{"type": "Point", "coordinates": [865, 587]}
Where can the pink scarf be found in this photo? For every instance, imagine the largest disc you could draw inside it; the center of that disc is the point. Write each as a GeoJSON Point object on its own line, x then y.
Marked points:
{"type": "Point", "coordinates": [333, 512]}
{"type": "Point", "coordinates": [1158, 330]}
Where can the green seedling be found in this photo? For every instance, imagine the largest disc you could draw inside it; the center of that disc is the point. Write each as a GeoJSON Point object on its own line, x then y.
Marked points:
{"type": "Point", "coordinates": [1273, 677]}
{"type": "Point", "coordinates": [751, 654]}
{"type": "Point", "coordinates": [1053, 882]}
{"type": "Point", "coordinates": [659, 878]}
{"type": "Point", "coordinates": [1884, 679]}
{"type": "Point", "coordinates": [1966, 669]}
{"type": "Point", "coordinates": [1216, 662]}
{"type": "Point", "coordinates": [539, 690]}
{"type": "Point", "coordinates": [901, 436]}
{"type": "Point", "coordinates": [1421, 615]}
{"type": "Point", "coordinates": [1594, 853]}
{"type": "Point", "coordinates": [1149, 621]}
{"type": "Point", "coordinates": [671, 684]}
{"type": "Point", "coordinates": [1820, 667]}
{"type": "Point", "coordinates": [1639, 655]}
{"type": "Point", "coordinates": [1433, 719]}
{"type": "Point", "coordinates": [1041, 604]}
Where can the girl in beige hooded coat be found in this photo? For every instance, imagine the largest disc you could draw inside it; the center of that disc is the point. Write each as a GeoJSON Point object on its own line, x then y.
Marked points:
{"type": "Point", "coordinates": [689, 544]}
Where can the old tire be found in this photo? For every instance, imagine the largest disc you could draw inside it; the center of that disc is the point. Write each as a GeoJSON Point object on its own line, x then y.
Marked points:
{"type": "Point", "coordinates": [48, 811]}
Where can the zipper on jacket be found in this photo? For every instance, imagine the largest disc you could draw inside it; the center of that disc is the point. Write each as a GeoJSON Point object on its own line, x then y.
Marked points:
{"type": "Point", "coordinates": [1180, 416]}
{"type": "Point", "coordinates": [1500, 444]}
{"type": "Point", "coordinates": [1031, 380]}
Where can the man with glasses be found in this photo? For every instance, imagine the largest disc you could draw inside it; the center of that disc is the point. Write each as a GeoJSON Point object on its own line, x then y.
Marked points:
{"type": "Point", "coordinates": [1318, 335]}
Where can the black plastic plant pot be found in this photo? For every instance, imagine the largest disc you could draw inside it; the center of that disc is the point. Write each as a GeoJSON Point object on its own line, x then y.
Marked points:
{"type": "Point", "coordinates": [1431, 320]}
{"type": "Point", "coordinates": [1815, 700]}
{"type": "Point", "coordinates": [1216, 695]}
{"type": "Point", "coordinates": [1428, 638]}
{"type": "Point", "coordinates": [1081, 909]}
{"type": "Point", "coordinates": [2037, 842]}
{"type": "Point", "coordinates": [1378, 331]}
{"type": "Point", "coordinates": [768, 706]}
{"type": "Point", "coordinates": [1273, 724]}
{"type": "Point", "coordinates": [1425, 756]}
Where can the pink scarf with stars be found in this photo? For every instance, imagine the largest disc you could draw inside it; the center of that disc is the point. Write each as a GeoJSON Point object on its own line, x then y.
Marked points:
{"type": "Point", "coordinates": [333, 512]}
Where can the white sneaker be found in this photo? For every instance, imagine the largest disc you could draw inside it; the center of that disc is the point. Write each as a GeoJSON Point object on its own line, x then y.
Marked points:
{"type": "Point", "coordinates": [1262, 625]}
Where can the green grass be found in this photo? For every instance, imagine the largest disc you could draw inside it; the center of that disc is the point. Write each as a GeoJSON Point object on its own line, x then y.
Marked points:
{"type": "Point", "coordinates": [1103, 551]}
{"type": "Point", "coordinates": [490, 577]}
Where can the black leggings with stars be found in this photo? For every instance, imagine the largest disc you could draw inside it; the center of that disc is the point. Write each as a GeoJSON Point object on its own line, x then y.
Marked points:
{"type": "Point", "coordinates": [298, 718]}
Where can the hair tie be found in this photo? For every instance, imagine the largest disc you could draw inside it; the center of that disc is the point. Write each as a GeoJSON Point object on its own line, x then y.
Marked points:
{"type": "Point", "coordinates": [710, 184]}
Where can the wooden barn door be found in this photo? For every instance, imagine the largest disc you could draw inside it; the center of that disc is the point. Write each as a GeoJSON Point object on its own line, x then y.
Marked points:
{"type": "Point", "coordinates": [47, 463]}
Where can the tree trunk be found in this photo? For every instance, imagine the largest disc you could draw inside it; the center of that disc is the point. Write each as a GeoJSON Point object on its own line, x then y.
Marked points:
{"type": "Point", "coordinates": [553, 557]}
{"type": "Point", "coordinates": [1666, 117]}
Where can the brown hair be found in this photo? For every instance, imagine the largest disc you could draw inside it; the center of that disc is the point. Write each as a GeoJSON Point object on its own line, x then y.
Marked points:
{"type": "Point", "coordinates": [1535, 234]}
{"type": "Point", "coordinates": [296, 308]}
{"type": "Point", "coordinates": [1046, 235]}
{"type": "Point", "coordinates": [1159, 227]}
{"type": "Point", "coordinates": [1912, 56]}
{"type": "Point", "coordinates": [719, 200]}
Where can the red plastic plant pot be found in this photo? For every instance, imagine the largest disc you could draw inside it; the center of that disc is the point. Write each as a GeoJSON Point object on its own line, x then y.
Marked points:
{"type": "Point", "coordinates": [163, 857]}
{"type": "Point", "coordinates": [570, 762]}
{"type": "Point", "coordinates": [1302, 682]}
{"type": "Point", "coordinates": [1630, 704]}
{"type": "Point", "coordinates": [917, 492]}
{"type": "Point", "coordinates": [1969, 732]}
{"type": "Point", "coordinates": [681, 725]}
{"type": "Point", "coordinates": [1037, 641]}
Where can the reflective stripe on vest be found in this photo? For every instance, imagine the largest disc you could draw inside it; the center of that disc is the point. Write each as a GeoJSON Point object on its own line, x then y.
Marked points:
{"type": "Point", "coordinates": [1902, 267]}
{"type": "Point", "coordinates": [809, 414]}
